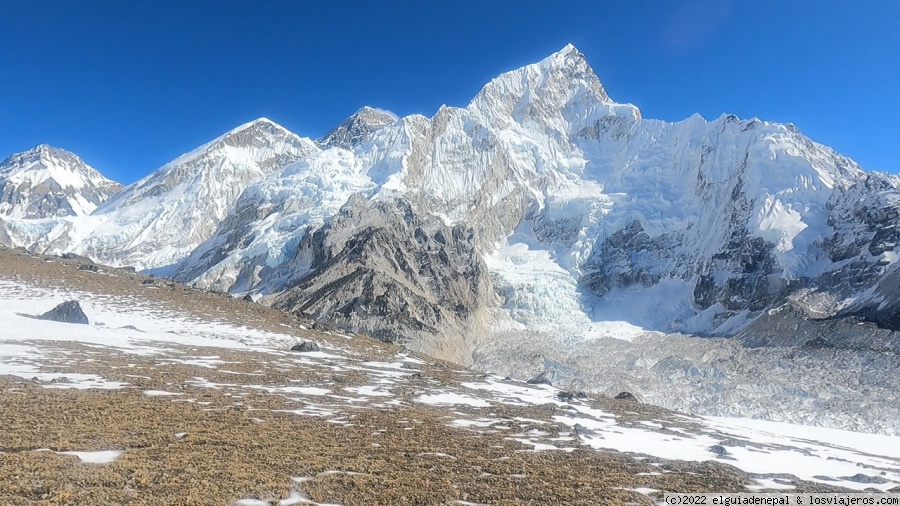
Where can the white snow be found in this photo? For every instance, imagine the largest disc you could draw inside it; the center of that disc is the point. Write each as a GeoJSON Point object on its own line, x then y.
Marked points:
{"type": "Point", "coordinates": [109, 316]}
{"type": "Point", "coordinates": [450, 398]}
{"type": "Point", "coordinates": [160, 393]}
{"type": "Point", "coordinates": [369, 391]}
{"type": "Point", "coordinates": [810, 453]}
{"type": "Point", "coordinates": [96, 457]}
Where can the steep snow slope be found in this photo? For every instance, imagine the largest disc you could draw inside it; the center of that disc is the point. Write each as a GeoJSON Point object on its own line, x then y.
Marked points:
{"type": "Point", "coordinates": [46, 182]}
{"type": "Point", "coordinates": [160, 219]}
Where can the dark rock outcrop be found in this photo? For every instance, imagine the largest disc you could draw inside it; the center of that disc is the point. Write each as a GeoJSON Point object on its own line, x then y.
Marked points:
{"type": "Point", "coordinates": [73, 256]}
{"type": "Point", "coordinates": [865, 478]}
{"type": "Point", "coordinates": [719, 450]}
{"type": "Point", "coordinates": [540, 379]}
{"type": "Point", "coordinates": [581, 430]}
{"type": "Point", "coordinates": [381, 269]}
{"type": "Point", "coordinates": [357, 128]}
{"type": "Point", "coordinates": [67, 312]}
{"type": "Point", "coordinates": [625, 396]}
{"type": "Point", "coordinates": [305, 347]}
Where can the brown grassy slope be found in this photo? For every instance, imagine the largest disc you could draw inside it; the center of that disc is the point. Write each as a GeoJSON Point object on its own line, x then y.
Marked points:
{"type": "Point", "coordinates": [239, 445]}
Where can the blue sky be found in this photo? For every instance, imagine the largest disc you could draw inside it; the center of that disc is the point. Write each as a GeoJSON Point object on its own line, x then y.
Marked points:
{"type": "Point", "coordinates": [130, 86]}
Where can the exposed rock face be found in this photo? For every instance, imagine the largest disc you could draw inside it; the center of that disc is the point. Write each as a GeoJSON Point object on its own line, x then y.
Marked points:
{"type": "Point", "coordinates": [67, 312]}
{"type": "Point", "coordinates": [357, 128]}
{"type": "Point", "coordinates": [540, 379]}
{"type": "Point", "coordinates": [626, 396]}
{"type": "Point", "coordinates": [47, 182]}
{"type": "Point", "coordinates": [791, 325]}
{"type": "Point", "coordinates": [626, 257]}
{"type": "Point", "coordinates": [379, 268]}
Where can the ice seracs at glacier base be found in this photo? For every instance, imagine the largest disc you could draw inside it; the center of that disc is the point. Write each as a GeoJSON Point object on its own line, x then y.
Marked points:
{"type": "Point", "coordinates": [726, 267]}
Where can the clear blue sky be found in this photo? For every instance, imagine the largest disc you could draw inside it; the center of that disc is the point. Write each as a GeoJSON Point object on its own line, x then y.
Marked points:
{"type": "Point", "coordinates": [130, 85]}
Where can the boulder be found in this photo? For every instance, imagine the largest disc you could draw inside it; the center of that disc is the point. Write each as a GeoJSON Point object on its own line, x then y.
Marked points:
{"type": "Point", "coordinates": [540, 379]}
{"type": "Point", "coordinates": [305, 347]}
{"type": "Point", "coordinates": [67, 312]}
{"type": "Point", "coordinates": [626, 396]}
{"type": "Point", "coordinates": [719, 450]}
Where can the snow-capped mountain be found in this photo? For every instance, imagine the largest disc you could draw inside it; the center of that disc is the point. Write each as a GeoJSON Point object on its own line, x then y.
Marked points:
{"type": "Point", "coordinates": [579, 207]}
{"type": "Point", "coordinates": [357, 127]}
{"type": "Point", "coordinates": [542, 211]}
{"type": "Point", "coordinates": [46, 182]}
{"type": "Point", "coordinates": [160, 219]}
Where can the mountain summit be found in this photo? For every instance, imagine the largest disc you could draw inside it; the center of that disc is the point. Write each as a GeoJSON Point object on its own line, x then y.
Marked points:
{"type": "Point", "coordinates": [357, 127]}
{"type": "Point", "coordinates": [46, 182]}
{"type": "Point", "coordinates": [163, 217]}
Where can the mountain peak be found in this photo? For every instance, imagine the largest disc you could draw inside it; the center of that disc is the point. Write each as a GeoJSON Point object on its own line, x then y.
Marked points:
{"type": "Point", "coordinates": [259, 132]}
{"type": "Point", "coordinates": [571, 63]}
{"type": "Point", "coordinates": [38, 158]}
{"type": "Point", "coordinates": [369, 111]}
{"type": "Point", "coordinates": [45, 182]}
{"type": "Point", "coordinates": [357, 127]}
{"type": "Point", "coordinates": [568, 51]}
{"type": "Point", "coordinates": [44, 150]}
{"type": "Point", "coordinates": [257, 124]}
{"type": "Point", "coordinates": [563, 81]}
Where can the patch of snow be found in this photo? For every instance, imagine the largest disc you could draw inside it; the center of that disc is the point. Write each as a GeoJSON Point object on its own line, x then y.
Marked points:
{"type": "Point", "coordinates": [96, 457]}
{"type": "Point", "coordinates": [451, 398]}
{"type": "Point", "coordinates": [159, 393]}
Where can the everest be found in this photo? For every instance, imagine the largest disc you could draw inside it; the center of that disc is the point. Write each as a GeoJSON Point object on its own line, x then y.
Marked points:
{"type": "Point", "coordinates": [539, 229]}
